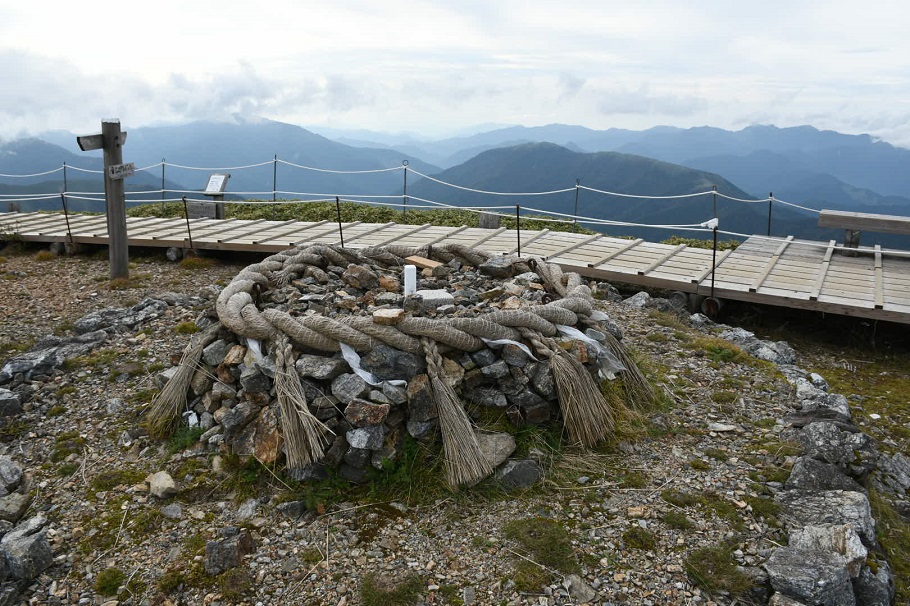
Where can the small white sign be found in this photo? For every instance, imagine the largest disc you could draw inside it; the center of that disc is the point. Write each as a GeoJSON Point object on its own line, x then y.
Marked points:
{"type": "Point", "coordinates": [121, 171]}
{"type": "Point", "coordinates": [216, 184]}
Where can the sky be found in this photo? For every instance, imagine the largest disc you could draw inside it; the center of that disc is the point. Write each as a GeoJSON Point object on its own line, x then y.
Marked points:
{"type": "Point", "coordinates": [441, 68]}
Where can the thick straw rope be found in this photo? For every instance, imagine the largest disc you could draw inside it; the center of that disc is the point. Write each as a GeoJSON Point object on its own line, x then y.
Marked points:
{"type": "Point", "coordinates": [588, 417]}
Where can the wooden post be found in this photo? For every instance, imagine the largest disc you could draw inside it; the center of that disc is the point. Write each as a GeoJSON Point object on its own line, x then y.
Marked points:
{"type": "Point", "coordinates": [116, 203]}
{"type": "Point", "coordinates": [489, 221]}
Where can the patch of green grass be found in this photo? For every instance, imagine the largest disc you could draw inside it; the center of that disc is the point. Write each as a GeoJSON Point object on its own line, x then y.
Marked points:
{"type": "Point", "coordinates": [640, 538]}
{"type": "Point", "coordinates": [696, 243]}
{"type": "Point", "coordinates": [183, 438]}
{"type": "Point", "coordinates": [680, 499]}
{"type": "Point", "coordinates": [885, 385]}
{"type": "Point", "coordinates": [111, 478]}
{"type": "Point", "coordinates": [380, 591]}
{"type": "Point", "coordinates": [546, 541]}
{"type": "Point", "coordinates": [44, 256]}
{"type": "Point", "coordinates": [724, 397]}
{"type": "Point", "coordinates": [109, 581]}
{"type": "Point", "coordinates": [717, 454]}
{"type": "Point", "coordinates": [142, 396]}
{"type": "Point", "coordinates": [765, 508]}
{"type": "Point", "coordinates": [67, 469]}
{"type": "Point", "coordinates": [722, 508]}
{"type": "Point", "coordinates": [56, 411]}
{"type": "Point", "coordinates": [668, 319]}
{"type": "Point", "coordinates": [196, 263]}
{"type": "Point", "coordinates": [633, 479]}
{"type": "Point", "coordinates": [714, 569]}
{"type": "Point", "coordinates": [657, 337]}
{"type": "Point", "coordinates": [234, 584]}
{"type": "Point", "coordinates": [718, 350]}
{"type": "Point", "coordinates": [186, 328]}
{"type": "Point", "coordinates": [893, 533]}
{"type": "Point", "coordinates": [677, 520]}
{"type": "Point", "coordinates": [699, 465]}
{"type": "Point", "coordinates": [351, 211]}
{"type": "Point", "coordinates": [414, 478]}
{"type": "Point", "coordinates": [96, 358]}
{"type": "Point", "coordinates": [65, 444]}
{"type": "Point", "coordinates": [175, 578]}
{"type": "Point", "coordinates": [11, 429]}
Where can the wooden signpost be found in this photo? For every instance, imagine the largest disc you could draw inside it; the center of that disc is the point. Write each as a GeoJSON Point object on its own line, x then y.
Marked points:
{"type": "Point", "coordinates": [111, 140]}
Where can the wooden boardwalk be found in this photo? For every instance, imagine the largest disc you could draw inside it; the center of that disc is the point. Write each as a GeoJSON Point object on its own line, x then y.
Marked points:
{"type": "Point", "coordinates": [872, 283]}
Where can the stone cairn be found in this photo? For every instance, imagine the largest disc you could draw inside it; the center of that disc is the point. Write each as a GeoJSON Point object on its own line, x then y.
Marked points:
{"type": "Point", "coordinates": [316, 354]}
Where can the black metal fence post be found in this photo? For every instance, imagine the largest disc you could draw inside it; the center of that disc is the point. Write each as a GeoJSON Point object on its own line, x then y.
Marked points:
{"type": "Point", "coordinates": [66, 215]}
{"type": "Point", "coordinates": [518, 227]}
{"type": "Point", "coordinates": [575, 216]}
{"type": "Point", "coordinates": [404, 211]}
{"type": "Point", "coordinates": [714, 195]}
{"type": "Point", "coordinates": [770, 203]}
{"type": "Point", "coordinates": [275, 179]}
{"type": "Point", "coordinates": [163, 191]}
{"type": "Point", "coordinates": [338, 215]}
{"type": "Point", "coordinates": [186, 213]}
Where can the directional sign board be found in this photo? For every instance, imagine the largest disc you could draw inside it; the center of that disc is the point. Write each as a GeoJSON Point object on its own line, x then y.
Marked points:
{"type": "Point", "coordinates": [121, 171]}
{"type": "Point", "coordinates": [216, 184]}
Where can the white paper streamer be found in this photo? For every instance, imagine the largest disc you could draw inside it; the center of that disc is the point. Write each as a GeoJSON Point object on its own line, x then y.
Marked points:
{"type": "Point", "coordinates": [497, 343]}
{"type": "Point", "coordinates": [353, 359]}
{"type": "Point", "coordinates": [608, 364]}
{"type": "Point", "coordinates": [255, 347]}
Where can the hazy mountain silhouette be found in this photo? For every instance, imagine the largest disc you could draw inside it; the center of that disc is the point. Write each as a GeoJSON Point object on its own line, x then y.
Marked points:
{"type": "Point", "coordinates": [545, 167]}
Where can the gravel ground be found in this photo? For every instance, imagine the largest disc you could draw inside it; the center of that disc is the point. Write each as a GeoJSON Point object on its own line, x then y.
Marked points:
{"type": "Point", "coordinates": [81, 441]}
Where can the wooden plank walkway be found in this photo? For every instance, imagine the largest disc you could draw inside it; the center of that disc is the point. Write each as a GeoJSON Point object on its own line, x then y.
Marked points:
{"type": "Point", "coordinates": [869, 282]}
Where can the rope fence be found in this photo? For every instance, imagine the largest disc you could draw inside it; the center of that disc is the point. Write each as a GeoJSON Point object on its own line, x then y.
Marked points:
{"type": "Point", "coordinates": [402, 201]}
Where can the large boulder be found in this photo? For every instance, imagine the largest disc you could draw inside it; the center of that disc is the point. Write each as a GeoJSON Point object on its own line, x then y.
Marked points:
{"type": "Point", "coordinates": [828, 507]}
{"type": "Point", "coordinates": [228, 551]}
{"type": "Point", "coordinates": [26, 549]}
{"type": "Point", "coordinates": [812, 577]}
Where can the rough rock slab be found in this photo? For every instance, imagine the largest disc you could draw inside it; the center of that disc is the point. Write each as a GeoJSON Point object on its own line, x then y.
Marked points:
{"type": "Point", "coordinates": [829, 507]}
{"type": "Point", "coordinates": [813, 577]}
{"type": "Point", "coordinates": [26, 549]}
{"type": "Point", "coordinates": [812, 475]}
{"type": "Point", "coordinates": [839, 539]}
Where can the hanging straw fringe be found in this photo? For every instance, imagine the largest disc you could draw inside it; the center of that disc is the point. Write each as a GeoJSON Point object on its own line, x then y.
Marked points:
{"type": "Point", "coordinates": [167, 407]}
{"type": "Point", "coordinates": [464, 462]}
{"type": "Point", "coordinates": [305, 436]}
{"type": "Point", "coordinates": [587, 415]}
{"type": "Point", "coordinates": [639, 391]}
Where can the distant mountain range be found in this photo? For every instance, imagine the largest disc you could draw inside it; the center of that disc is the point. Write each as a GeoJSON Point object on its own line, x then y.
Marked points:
{"type": "Point", "coordinates": [534, 167]}
{"type": "Point", "coordinates": [821, 169]}
{"type": "Point", "coordinates": [818, 169]}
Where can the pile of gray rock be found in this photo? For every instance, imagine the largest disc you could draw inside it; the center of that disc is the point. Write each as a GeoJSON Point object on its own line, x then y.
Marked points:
{"type": "Point", "coordinates": [372, 406]}
{"type": "Point", "coordinates": [832, 557]}
{"type": "Point", "coordinates": [24, 548]}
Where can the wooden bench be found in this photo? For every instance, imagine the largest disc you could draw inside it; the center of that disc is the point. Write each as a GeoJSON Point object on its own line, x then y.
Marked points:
{"type": "Point", "coordinates": [853, 223]}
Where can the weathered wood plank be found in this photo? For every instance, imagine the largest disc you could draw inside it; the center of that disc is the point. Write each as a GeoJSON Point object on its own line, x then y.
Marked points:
{"type": "Point", "coordinates": [770, 264]}
{"type": "Point", "coordinates": [629, 246]}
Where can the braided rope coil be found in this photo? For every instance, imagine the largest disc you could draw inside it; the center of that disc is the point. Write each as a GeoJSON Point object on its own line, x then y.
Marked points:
{"type": "Point", "coordinates": [236, 304]}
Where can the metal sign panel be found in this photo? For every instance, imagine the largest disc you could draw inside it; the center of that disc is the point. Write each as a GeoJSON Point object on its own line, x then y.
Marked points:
{"type": "Point", "coordinates": [202, 210]}
{"type": "Point", "coordinates": [90, 142]}
{"type": "Point", "coordinates": [121, 171]}
{"type": "Point", "coordinates": [216, 184]}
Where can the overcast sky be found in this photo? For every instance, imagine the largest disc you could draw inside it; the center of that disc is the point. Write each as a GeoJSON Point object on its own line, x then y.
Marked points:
{"type": "Point", "coordinates": [435, 68]}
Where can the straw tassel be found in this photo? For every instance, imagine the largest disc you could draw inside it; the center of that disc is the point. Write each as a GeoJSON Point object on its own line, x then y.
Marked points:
{"type": "Point", "coordinates": [305, 436]}
{"type": "Point", "coordinates": [167, 407]}
{"type": "Point", "coordinates": [464, 461]}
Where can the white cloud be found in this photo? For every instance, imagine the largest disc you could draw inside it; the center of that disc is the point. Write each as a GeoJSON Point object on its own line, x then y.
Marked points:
{"type": "Point", "coordinates": [440, 66]}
